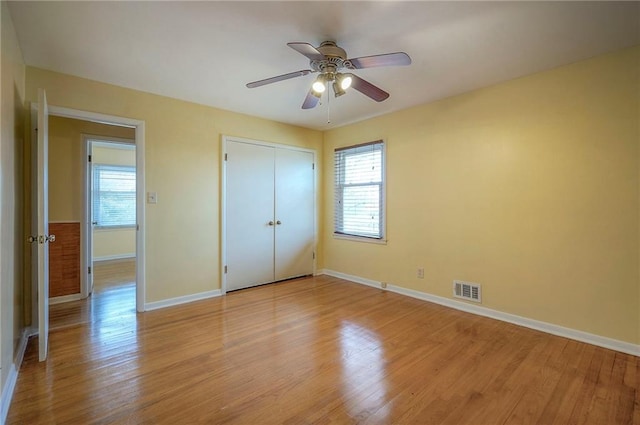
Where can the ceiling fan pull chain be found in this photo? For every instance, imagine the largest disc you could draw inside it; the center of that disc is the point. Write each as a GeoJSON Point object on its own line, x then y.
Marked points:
{"type": "Point", "coordinates": [328, 107]}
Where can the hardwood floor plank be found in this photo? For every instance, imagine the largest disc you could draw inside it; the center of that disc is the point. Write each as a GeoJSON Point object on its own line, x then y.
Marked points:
{"type": "Point", "coordinates": [316, 350]}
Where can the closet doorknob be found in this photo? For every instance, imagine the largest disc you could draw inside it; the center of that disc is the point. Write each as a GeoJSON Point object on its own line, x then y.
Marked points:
{"type": "Point", "coordinates": [270, 223]}
{"type": "Point", "coordinates": [278, 222]}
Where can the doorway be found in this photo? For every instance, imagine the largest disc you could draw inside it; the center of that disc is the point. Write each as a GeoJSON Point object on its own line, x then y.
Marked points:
{"type": "Point", "coordinates": [92, 212]}
{"type": "Point", "coordinates": [137, 127]}
{"type": "Point", "coordinates": [110, 200]}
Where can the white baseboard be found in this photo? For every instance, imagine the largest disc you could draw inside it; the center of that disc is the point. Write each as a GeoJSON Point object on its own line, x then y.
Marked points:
{"type": "Point", "coordinates": [7, 392]}
{"type": "Point", "coordinates": [352, 278]}
{"type": "Point", "coordinates": [600, 341]}
{"type": "Point", "coordinates": [115, 257]}
{"type": "Point", "coordinates": [182, 300]}
{"type": "Point", "coordinates": [65, 299]}
{"type": "Point", "coordinates": [22, 346]}
{"type": "Point", "coordinates": [12, 377]}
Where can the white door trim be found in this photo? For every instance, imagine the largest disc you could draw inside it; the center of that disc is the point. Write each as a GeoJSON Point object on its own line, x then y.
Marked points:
{"type": "Point", "coordinates": [223, 200]}
{"type": "Point", "coordinates": [139, 126]}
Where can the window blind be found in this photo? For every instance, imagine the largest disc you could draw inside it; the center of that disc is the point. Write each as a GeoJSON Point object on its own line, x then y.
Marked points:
{"type": "Point", "coordinates": [359, 190]}
{"type": "Point", "coordinates": [114, 195]}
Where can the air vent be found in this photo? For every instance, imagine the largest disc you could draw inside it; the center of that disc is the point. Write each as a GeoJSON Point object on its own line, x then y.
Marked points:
{"type": "Point", "coordinates": [467, 291]}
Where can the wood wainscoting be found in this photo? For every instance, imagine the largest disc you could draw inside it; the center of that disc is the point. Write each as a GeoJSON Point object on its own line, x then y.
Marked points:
{"type": "Point", "coordinates": [64, 259]}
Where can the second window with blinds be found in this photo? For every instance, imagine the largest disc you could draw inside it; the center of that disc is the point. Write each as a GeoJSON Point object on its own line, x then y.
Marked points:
{"type": "Point", "coordinates": [114, 196]}
{"type": "Point", "coordinates": [360, 191]}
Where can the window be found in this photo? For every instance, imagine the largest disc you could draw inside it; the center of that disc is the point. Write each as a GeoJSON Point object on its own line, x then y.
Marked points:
{"type": "Point", "coordinates": [359, 191]}
{"type": "Point", "coordinates": [114, 195]}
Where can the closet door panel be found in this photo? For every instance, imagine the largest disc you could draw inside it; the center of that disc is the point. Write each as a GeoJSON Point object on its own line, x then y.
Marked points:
{"type": "Point", "coordinates": [249, 209]}
{"type": "Point", "coordinates": [294, 207]}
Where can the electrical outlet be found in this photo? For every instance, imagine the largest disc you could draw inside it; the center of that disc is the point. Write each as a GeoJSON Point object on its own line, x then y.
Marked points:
{"type": "Point", "coordinates": [383, 285]}
{"type": "Point", "coordinates": [420, 273]}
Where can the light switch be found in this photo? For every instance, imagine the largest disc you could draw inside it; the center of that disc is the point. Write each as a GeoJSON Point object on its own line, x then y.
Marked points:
{"type": "Point", "coordinates": [152, 198]}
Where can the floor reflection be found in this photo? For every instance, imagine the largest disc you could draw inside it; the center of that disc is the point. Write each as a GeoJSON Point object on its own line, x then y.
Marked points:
{"type": "Point", "coordinates": [109, 312]}
{"type": "Point", "coordinates": [112, 303]}
{"type": "Point", "coordinates": [105, 324]}
{"type": "Point", "coordinates": [364, 384]}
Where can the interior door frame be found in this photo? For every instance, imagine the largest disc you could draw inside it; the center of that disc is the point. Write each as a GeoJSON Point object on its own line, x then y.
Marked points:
{"type": "Point", "coordinates": [139, 127]}
{"type": "Point", "coordinates": [223, 200]}
{"type": "Point", "coordinates": [86, 231]}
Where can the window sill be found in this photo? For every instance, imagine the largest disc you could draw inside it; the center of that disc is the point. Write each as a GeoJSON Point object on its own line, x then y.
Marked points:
{"type": "Point", "coordinates": [360, 239]}
{"type": "Point", "coordinates": [110, 228]}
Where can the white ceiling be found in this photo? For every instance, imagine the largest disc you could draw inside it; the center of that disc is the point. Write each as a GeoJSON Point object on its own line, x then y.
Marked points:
{"type": "Point", "coordinates": [205, 52]}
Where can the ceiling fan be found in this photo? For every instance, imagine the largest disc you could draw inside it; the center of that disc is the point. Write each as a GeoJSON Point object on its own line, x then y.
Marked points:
{"type": "Point", "coordinates": [330, 61]}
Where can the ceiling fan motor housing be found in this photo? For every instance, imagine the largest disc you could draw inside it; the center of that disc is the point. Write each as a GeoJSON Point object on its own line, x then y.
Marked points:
{"type": "Point", "coordinates": [336, 59]}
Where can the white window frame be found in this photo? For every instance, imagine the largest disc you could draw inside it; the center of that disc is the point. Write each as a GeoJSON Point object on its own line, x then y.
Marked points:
{"type": "Point", "coordinates": [339, 233]}
{"type": "Point", "coordinates": [96, 195]}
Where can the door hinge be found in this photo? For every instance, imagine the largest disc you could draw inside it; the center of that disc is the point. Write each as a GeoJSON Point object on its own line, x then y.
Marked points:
{"type": "Point", "coordinates": [89, 270]}
{"type": "Point", "coordinates": [313, 166]}
{"type": "Point", "coordinates": [226, 156]}
{"type": "Point", "coordinates": [225, 269]}
{"type": "Point", "coordinates": [314, 255]}
{"type": "Point", "coordinates": [89, 158]}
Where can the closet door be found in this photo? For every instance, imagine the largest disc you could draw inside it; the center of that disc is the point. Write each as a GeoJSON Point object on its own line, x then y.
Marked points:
{"type": "Point", "coordinates": [249, 215]}
{"type": "Point", "coordinates": [294, 213]}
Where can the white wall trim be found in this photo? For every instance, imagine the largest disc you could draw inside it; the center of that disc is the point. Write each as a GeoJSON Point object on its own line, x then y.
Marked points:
{"type": "Point", "coordinates": [115, 257]}
{"type": "Point", "coordinates": [600, 341]}
{"type": "Point", "coordinates": [182, 300]}
{"type": "Point", "coordinates": [320, 272]}
{"type": "Point", "coordinates": [7, 392]}
{"type": "Point", "coordinates": [65, 299]}
{"type": "Point", "coordinates": [12, 377]}
{"type": "Point", "coordinates": [352, 278]}
{"type": "Point", "coordinates": [22, 346]}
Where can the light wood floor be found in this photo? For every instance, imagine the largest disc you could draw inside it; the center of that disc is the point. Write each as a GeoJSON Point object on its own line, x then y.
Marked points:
{"type": "Point", "coordinates": [320, 351]}
{"type": "Point", "coordinates": [114, 295]}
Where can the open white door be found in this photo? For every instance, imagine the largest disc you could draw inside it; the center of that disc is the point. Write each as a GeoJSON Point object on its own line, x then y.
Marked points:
{"type": "Point", "coordinates": [41, 220]}
{"type": "Point", "coordinates": [91, 223]}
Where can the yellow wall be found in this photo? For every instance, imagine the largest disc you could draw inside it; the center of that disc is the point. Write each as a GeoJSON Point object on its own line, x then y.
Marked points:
{"type": "Point", "coordinates": [109, 244]}
{"type": "Point", "coordinates": [182, 164]}
{"type": "Point", "coordinates": [529, 188]}
{"type": "Point", "coordinates": [12, 232]}
{"type": "Point", "coordinates": [114, 243]}
{"type": "Point", "coordinates": [66, 164]}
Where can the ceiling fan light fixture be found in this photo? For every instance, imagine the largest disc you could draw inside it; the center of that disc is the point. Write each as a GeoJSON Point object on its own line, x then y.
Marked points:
{"type": "Point", "coordinates": [345, 81]}
{"type": "Point", "coordinates": [318, 85]}
{"type": "Point", "coordinates": [337, 89]}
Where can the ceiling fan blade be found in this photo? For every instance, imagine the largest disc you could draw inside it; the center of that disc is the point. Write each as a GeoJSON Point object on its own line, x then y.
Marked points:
{"type": "Point", "coordinates": [308, 50]}
{"type": "Point", "coordinates": [278, 78]}
{"type": "Point", "coordinates": [310, 101]}
{"type": "Point", "coordinates": [368, 89]}
{"type": "Point", "coordinates": [388, 59]}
